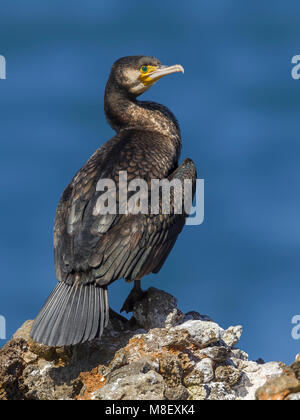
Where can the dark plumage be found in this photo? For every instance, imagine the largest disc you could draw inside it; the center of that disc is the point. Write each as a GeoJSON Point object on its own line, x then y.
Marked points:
{"type": "Point", "coordinates": [94, 250]}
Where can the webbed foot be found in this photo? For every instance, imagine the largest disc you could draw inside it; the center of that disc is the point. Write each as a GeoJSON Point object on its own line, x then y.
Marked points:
{"type": "Point", "coordinates": [135, 295]}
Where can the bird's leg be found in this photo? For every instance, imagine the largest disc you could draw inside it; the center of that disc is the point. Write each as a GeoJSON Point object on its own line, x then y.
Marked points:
{"type": "Point", "coordinates": [135, 295]}
{"type": "Point", "coordinates": [115, 315]}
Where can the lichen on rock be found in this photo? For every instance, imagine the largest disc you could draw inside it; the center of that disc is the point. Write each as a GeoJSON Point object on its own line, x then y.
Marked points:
{"type": "Point", "coordinates": [160, 354]}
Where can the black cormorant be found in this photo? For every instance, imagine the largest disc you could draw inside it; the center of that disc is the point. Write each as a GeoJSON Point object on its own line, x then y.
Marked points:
{"type": "Point", "coordinates": [93, 249]}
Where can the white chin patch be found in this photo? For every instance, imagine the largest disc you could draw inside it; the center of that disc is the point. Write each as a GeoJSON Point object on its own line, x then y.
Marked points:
{"type": "Point", "coordinates": [139, 89]}
{"type": "Point", "coordinates": [135, 85]}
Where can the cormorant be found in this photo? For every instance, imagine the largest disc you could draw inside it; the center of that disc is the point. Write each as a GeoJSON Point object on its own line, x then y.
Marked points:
{"type": "Point", "coordinates": [92, 250]}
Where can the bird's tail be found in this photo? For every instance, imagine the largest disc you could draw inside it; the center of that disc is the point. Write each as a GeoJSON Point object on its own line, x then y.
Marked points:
{"type": "Point", "coordinates": [73, 314]}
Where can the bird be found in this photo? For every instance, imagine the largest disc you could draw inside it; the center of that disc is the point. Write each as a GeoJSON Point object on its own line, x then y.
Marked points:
{"type": "Point", "coordinates": [93, 249]}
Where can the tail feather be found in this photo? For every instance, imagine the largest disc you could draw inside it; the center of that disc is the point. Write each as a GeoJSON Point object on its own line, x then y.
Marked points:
{"type": "Point", "coordinates": [96, 302]}
{"type": "Point", "coordinates": [47, 305]}
{"type": "Point", "coordinates": [70, 327]}
{"type": "Point", "coordinates": [48, 315]}
{"type": "Point", "coordinates": [72, 315]}
{"type": "Point", "coordinates": [89, 320]}
{"type": "Point", "coordinates": [54, 316]}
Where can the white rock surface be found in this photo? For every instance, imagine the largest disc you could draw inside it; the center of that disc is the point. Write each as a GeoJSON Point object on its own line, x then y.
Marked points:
{"type": "Point", "coordinates": [202, 333]}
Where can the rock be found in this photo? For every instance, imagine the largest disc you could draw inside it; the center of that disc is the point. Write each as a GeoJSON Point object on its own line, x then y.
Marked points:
{"type": "Point", "coordinates": [192, 315]}
{"type": "Point", "coordinates": [219, 391]}
{"type": "Point", "coordinates": [217, 353]}
{"type": "Point", "coordinates": [142, 366]}
{"type": "Point", "coordinates": [12, 366]}
{"type": "Point", "coordinates": [160, 354]}
{"type": "Point", "coordinates": [279, 388]}
{"type": "Point", "coordinates": [179, 393]}
{"type": "Point", "coordinates": [171, 370]}
{"type": "Point", "coordinates": [30, 357]}
{"type": "Point", "coordinates": [232, 336]}
{"type": "Point", "coordinates": [39, 380]}
{"type": "Point", "coordinates": [296, 367]}
{"type": "Point", "coordinates": [237, 354]}
{"type": "Point", "coordinates": [293, 397]}
{"type": "Point", "coordinates": [150, 313]}
{"type": "Point", "coordinates": [202, 373]}
{"type": "Point", "coordinates": [202, 333]}
{"type": "Point", "coordinates": [143, 386]}
{"type": "Point", "coordinates": [228, 375]}
{"type": "Point", "coordinates": [215, 391]}
{"type": "Point", "coordinates": [198, 392]}
{"type": "Point", "coordinates": [254, 376]}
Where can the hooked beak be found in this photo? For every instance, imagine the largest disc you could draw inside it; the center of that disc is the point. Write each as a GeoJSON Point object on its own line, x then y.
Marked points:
{"type": "Point", "coordinates": [164, 71]}
{"type": "Point", "coordinates": [160, 72]}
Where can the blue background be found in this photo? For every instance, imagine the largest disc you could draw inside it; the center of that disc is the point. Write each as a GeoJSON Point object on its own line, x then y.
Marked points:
{"type": "Point", "coordinates": [239, 112]}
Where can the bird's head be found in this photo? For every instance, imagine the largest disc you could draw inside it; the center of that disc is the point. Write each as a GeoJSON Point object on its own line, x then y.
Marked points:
{"type": "Point", "coordinates": [136, 74]}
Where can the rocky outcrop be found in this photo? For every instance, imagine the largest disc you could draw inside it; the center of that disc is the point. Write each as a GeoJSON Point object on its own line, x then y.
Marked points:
{"type": "Point", "coordinates": [160, 354]}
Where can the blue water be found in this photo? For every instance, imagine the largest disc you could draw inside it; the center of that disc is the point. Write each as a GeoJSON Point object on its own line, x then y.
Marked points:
{"type": "Point", "coordinates": [239, 112]}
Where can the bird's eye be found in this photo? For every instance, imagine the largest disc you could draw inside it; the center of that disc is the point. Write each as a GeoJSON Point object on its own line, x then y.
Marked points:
{"type": "Point", "coordinates": [144, 69]}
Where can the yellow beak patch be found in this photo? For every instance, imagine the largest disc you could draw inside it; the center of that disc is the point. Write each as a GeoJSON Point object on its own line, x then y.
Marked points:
{"type": "Point", "coordinates": [146, 71]}
{"type": "Point", "coordinates": [150, 74]}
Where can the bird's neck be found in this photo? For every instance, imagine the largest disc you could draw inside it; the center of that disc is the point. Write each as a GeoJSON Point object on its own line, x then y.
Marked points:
{"type": "Point", "coordinates": [124, 112]}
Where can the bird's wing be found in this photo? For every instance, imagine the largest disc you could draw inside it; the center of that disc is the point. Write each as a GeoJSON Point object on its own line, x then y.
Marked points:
{"type": "Point", "coordinates": [139, 245]}
{"type": "Point", "coordinates": [167, 227]}
{"type": "Point", "coordinates": [73, 242]}
{"type": "Point", "coordinates": [91, 247]}
{"type": "Point", "coordinates": [175, 222]}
